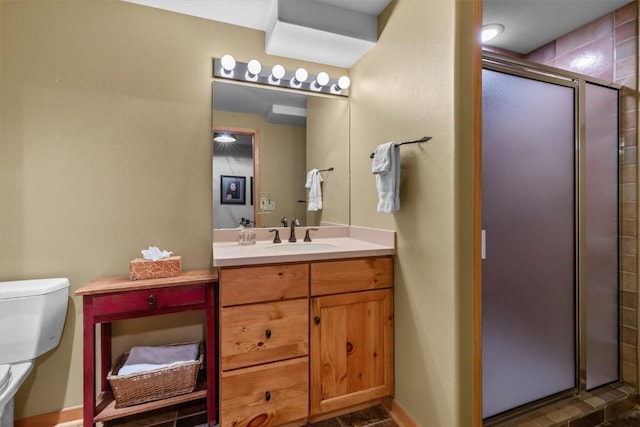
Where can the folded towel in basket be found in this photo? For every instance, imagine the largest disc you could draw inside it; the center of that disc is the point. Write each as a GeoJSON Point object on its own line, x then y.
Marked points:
{"type": "Point", "coordinates": [145, 358]}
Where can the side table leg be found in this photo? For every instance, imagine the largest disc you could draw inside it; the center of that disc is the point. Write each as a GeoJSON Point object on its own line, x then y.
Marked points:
{"type": "Point", "coordinates": [105, 355]}
{"type": "Point", "coordinates": [211, 357]}
{"type": "Point", "coordinates": [89, 382]}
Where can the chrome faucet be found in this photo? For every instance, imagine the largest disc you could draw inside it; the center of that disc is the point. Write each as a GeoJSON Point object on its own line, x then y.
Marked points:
{"type": "Point", "coordinates": [292, 236]}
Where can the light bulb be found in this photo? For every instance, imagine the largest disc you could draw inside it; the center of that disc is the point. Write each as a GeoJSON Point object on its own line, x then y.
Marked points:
{"type": "Point", "coordinates": [490, 31]}
{"type": "Point", "coordinates": [254, 66]}
{"type": "Point", "coordinates": [228, 63]}
{"type": "Point", "coordinates": [253, 70]}
{"type": "Point", "coordinates": [224, 137]}
{"type": "Point", "coordinates": [300, 77]}
{"type": "Point", "coordinates": [321, 80]}
{"type": "Point", "coordinates": [343, 83]}
{"type": "Point", "coordinates": [277, 72]}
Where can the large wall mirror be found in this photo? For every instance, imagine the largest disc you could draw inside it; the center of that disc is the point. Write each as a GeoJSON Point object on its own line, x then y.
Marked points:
{"type": "Point", "coordinates": [280, 135]}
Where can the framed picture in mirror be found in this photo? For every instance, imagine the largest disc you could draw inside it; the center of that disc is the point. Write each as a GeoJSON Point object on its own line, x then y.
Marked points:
{"type": "Point", "coordinates": [233, 189]}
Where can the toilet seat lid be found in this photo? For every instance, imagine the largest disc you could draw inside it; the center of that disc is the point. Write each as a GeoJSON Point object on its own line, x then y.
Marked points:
{"type": "Point", "coordinates": [5, 377]}
{"type": "Point", "coordinates": [32, 287]}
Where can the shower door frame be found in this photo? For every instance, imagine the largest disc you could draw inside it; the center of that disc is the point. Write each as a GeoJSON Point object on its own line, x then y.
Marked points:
{"type": "Point", "coordinates": [522, 68]}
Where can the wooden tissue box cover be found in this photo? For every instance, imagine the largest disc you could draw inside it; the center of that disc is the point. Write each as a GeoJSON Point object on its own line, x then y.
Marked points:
{"type": "Point", "coordinates": [141, 268]}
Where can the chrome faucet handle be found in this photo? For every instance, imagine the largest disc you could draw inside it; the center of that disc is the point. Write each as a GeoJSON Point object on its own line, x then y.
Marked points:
{"type": "Point", "coordinates": [284, 221]}
{"type": "Point", "coordinates": [276, 238]}
{"type": "Point", "coordinates": [307, 238]}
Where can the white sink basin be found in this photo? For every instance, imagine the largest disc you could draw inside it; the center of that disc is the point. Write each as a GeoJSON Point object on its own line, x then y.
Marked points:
{"type": "Point", "coordinates": [301, 247]}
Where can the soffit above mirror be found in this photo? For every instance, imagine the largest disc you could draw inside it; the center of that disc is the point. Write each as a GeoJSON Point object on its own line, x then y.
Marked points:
{"type": "Point", "coordinates": [332, 32]}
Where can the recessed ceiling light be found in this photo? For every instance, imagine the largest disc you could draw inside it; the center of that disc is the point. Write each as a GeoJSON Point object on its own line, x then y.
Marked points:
{"type": "Point", "coordinates": [490, 31]}
{"type": "Point", "coordinates": [224, 137]}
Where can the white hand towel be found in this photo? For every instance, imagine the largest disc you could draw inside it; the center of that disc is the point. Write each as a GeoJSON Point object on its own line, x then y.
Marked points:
{"type": "Point", "coordinates": [314, 190]}
{"type": "Point", "coordinates": [147, 358]}
{"type": "Point", "coordinates": [386, 168]}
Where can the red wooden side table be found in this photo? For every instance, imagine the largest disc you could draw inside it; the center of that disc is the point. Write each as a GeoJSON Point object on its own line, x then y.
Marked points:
{"type": "Point", "coordinates": [117, 298]}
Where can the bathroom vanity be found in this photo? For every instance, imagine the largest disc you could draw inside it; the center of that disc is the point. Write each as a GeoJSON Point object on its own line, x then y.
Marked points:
{"type": "Point", "coordinates": [304, 332]}
{"type": "Point", "coordinates": [110, 299]}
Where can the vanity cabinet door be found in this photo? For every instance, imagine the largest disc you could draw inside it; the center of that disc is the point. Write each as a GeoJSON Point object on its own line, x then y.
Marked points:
{"type": "Point", "coordinates": [351, 349]}
{"type": "Point", "coordinates": [268, 395]}
{"type": "Point", "coordinates": [261, 333]}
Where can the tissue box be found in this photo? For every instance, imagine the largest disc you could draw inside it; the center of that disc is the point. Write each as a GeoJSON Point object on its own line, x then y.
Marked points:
{"type": "Point", "coordinates": [141, 268]}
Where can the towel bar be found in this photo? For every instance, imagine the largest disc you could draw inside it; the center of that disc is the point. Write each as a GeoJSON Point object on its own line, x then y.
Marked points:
{"type": "Point", "coordinates": [423, 139]}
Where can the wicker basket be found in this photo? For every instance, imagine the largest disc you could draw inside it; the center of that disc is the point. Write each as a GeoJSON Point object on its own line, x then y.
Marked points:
{"type": "Point", "coordinates": [141, 387]}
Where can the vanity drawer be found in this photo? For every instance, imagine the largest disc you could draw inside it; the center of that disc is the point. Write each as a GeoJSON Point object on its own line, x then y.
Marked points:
{"type": "Point", "coordinates": [334, 277]}
{"type": "Point", "coordinates": [267, 395]}
{"type": "Point", "coordinates": [145, 301]}
{"type": "Point", "coordinates": [247, 285]}
{"type": "Point", "coordinates": [260, 333]}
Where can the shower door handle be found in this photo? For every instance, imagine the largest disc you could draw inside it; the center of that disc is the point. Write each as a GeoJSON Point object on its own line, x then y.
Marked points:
{"type": "Point", "coordinates": [483, 244]}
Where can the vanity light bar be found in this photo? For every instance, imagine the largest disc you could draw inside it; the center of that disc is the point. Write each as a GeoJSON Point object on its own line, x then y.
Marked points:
{"type": "Point", "coordinates": [253, 71]}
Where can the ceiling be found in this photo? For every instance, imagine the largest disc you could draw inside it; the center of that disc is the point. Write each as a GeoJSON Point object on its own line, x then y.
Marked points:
{"type": "Point", "coordinates": [528, 24]}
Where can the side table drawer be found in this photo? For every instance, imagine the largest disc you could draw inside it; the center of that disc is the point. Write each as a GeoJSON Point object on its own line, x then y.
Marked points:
{"type": "Point", "coordinates": [266, 395]}
{"type": "Point", "coordinates": [260, 333]}
{"type": "Point", "coordinates": [148, 300]}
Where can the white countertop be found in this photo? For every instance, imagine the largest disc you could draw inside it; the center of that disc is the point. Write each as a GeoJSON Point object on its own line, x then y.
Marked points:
{"type": "Point", "coordinates": [352, 242]}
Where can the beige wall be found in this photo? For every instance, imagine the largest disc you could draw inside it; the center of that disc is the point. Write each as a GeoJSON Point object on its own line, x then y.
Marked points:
{"type": "Point", "coordinates": [328, 147]}
{"type": "Point", "coordinates": [105, 149]}
{"type": "Point", "coordinates": [408, 86]}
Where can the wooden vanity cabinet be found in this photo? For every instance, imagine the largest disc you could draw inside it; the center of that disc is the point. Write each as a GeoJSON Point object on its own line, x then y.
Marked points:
{"type": "Point", "coordinates": [264, 345]}
{"type": "Point", "coordinates": [351, 332]}
{"type": "Point", "coordinates": [303, 339]}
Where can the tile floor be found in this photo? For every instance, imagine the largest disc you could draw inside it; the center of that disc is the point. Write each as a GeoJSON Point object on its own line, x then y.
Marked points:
{"type": "Point", "coordinates": [607, 404]}
{"type": "Point", "coordinates": [193, 414]}
{"type": "Point", "coordinates": [372, 417]}
{"type": "Point", "coordinates": [630, 419]}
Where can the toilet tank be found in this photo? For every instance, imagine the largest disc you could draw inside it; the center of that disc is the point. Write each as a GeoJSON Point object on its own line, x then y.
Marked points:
{"type": "Point", "coordinates": [32, 315]}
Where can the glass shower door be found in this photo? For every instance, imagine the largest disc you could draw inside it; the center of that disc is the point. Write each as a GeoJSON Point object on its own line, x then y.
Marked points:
{"type": "Point", "coordinates": [601, 236]}
{"type": "Point", "coordinates": [528, 214]}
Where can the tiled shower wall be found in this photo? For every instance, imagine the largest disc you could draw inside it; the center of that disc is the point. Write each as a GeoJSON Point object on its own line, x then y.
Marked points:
{"type": "Point", "coordinates": [607, 49]}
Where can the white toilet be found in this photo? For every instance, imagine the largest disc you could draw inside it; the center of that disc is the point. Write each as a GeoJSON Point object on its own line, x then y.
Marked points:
{"type": "Point", "coordinates": [32, 314]}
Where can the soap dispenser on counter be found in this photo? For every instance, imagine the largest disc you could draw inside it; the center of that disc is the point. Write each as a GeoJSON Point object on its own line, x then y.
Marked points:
{"type": "Point", "coordinates": [247, 235]}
